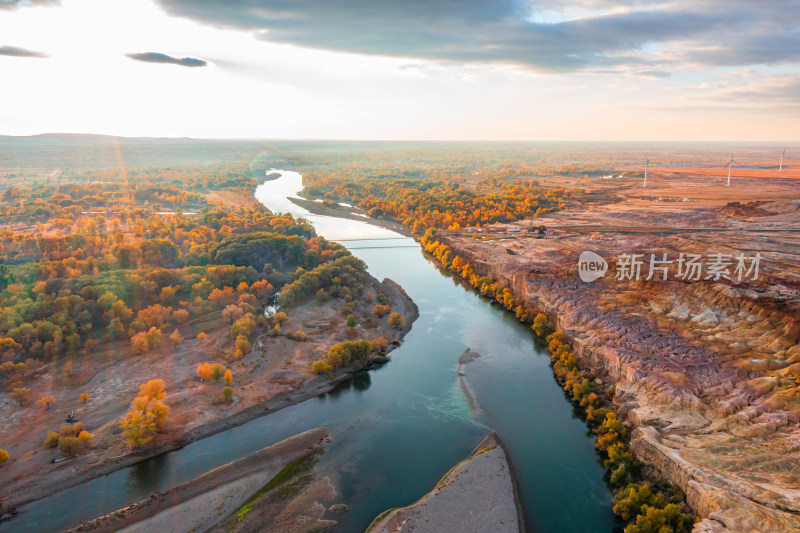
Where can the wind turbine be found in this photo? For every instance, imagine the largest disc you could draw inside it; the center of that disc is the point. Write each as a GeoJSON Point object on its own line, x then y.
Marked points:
{"type": "Point", "coordinates": [730, 165]}
{"type": "Point", "coordinates": [646, 164]}
{"type": "Point", "coordinates": [780, 169]}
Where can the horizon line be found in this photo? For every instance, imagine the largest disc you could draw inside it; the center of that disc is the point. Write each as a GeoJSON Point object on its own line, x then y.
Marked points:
{"type": "Point", "coordinates": [421, 140]}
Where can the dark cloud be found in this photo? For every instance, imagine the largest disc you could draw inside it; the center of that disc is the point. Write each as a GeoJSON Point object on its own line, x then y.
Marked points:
{"type": "Point", "coordinates": [19, 52]}
{"type": "Point", "coordinates": [13, 4]}
{"type": "Point", "coordinates": [156, 57]}
{"type": "Point", "coordinates": [640, 35]}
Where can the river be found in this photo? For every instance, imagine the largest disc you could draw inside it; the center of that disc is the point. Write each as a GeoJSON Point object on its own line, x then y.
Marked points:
{"type": "Point", "coordinates": [397, 430]}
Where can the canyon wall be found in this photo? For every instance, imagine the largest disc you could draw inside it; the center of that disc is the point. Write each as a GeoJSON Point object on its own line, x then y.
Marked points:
{"type": "Point", "coordinates": [705, 376]}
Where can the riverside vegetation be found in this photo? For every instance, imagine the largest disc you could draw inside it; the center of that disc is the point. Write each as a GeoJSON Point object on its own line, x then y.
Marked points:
{"type": "Point", "coordinates": [159, 272]}
{"type": "Point", "coordinates": [647, 505]}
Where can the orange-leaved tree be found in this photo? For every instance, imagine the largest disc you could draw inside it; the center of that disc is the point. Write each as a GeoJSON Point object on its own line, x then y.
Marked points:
{"type": "Point", "coordinates": [46, 400]}
{"type": "Point", "coordinates": [396, 320]}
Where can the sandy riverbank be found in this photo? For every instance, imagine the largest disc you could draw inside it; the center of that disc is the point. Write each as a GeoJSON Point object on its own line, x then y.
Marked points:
{"type": "Point", "coordinates": [350, 213]}
{"type": "Point", "coordinates": [479, 494]}
{"type": "Point", "coordinates": [207, 500]}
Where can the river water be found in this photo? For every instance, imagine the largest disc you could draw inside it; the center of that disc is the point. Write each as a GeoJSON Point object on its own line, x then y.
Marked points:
{"type": "Point", "coordinates": [397, 430]}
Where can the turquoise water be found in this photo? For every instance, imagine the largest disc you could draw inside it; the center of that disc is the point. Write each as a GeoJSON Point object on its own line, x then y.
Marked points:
{"type": "Point", "coordinates": [397, 430]}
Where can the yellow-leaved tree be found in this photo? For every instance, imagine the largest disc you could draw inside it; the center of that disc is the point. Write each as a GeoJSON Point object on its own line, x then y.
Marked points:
{"type": "Point", "coordinates": [147, 414]}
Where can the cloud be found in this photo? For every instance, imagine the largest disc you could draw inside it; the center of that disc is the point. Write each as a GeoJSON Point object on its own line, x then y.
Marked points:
{"type": "Point", "coordinates": [772, 91]}
{"type": "Point", "coordinates": [13, 4]}
{"type": "Point", "coordinates": [156, 57]}
{"type": "Point", "coordinates": [19, 52]}
{"type": "Point", "coordinates": [653, 73]}
{"type": "Point", "coordinates": [579, 35]}
{"type": "Point", "coordinates": [743, 90]}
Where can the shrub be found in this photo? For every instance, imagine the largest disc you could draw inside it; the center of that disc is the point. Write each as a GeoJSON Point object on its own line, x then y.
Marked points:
{"type": "Point", "coordinates": [85, 437]}
{"type": "Point", "coordinates": [242, 344]}
{"type": "Point", "coordinates": [335, 356]}
{"type": "Point", "coordinates": [227, 394]}
{"type": "Point", "coordinates": [670, 518]}
{"type": "Point", "coordinates": [51, 440]}
{"type": "Point", "coordinates": [217, 371]}
{"type": "Point", "coordinates": [69, 446]}
{"type": "Point", "coordinates": [628, 503]}
{"type": "Point", "coordinates": [175, 337]}
{"type": "Point", "coordinates": [542, 326]}
{"type": "Point", "coordinates": [380, 310]}
{"type": "Point", "coordinates": [396, 320]}
{"type": "Point", "coordinates": [21, 395]}
{"type": "Point", "coordinates": [71, 430]}
{"type": "Point", "coordinates": [46, 400]}
{"type": "Point", "coordinates": [379, 345]}
{"type": "Point", "coordinates": [139, 342]}
{"type": "Point", "coordinates": [298, 335]}
{"type": "Point", "coordinates": [180, 316]}
{"type": "Point", "coordinates": [3, 456]}
{"type": "Point", "coordinates": [320, 367]}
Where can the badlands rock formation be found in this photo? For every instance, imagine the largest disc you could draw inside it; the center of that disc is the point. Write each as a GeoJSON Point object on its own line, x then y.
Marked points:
{"type": "Point", "coordinates": [706, 373]}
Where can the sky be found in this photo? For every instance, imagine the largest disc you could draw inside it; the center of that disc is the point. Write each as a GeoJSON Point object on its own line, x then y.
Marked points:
{"type": "Point", "coordinates": [714, 70]}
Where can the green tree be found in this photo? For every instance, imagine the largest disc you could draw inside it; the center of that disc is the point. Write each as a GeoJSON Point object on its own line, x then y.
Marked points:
{"type": "Point", "coordinates": [227, 394]}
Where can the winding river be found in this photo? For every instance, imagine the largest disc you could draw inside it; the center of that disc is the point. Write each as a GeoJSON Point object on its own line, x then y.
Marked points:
{"type": "Point", "coordinates": [397, 430]}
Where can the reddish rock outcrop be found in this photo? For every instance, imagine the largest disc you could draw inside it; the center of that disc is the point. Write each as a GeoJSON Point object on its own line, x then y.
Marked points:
{"type": "Point", "coordinates": [706, 373]}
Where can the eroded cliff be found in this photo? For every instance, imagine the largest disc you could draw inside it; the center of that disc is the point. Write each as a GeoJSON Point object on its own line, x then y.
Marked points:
{"type": "Point", "coordinates": [705, 373]}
